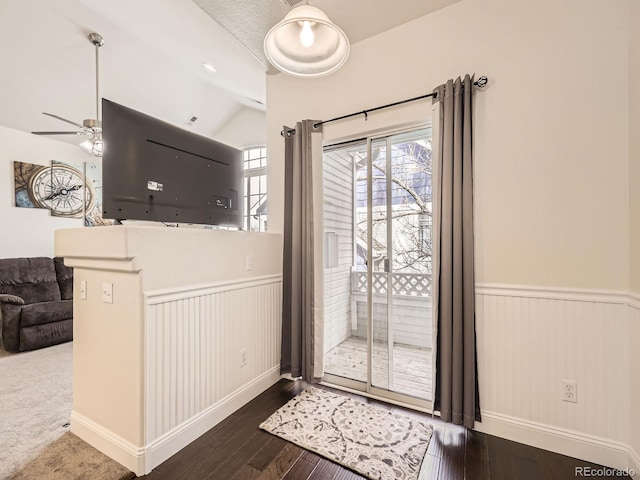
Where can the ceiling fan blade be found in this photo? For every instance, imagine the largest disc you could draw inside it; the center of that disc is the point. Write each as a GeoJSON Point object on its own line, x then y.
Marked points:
{"type": "Point", "coordinates": [64, 119]}
{"type": "Point", "coordinates": [62, 133]}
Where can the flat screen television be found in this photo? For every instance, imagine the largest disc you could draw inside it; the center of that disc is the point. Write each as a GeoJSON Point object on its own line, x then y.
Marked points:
{"type": "Point", "coordinates": [152, 170]}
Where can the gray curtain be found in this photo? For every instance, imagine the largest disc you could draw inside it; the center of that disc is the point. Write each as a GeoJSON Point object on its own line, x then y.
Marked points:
{"type": "Point", "coordinates": [456, 393]}
{"type": "Point", "coordinates": [302, 286]}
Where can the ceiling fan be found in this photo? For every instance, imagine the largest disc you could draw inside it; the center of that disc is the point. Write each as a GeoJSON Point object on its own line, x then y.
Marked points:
{"type": "Point", "coordinates": [89, 126]}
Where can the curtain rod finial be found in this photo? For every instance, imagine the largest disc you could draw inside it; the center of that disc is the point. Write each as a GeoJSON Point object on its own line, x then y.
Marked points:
{"type": "Point", "coordinates": [481, 82]}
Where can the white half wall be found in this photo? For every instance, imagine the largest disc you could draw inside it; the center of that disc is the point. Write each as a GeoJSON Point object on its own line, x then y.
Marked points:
{"type": "Point", "coordinates": [160, 363]}
{"type": "Point", "coordinates": [175, 257]}
{"type": "Point", "coordinates": [28, 232]}
{"type": "Point", "coordinates": [208, 352]}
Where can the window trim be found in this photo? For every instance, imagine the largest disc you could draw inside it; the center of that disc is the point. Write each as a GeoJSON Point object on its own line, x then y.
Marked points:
{"type": "Point", "coordinates": [248, 173]}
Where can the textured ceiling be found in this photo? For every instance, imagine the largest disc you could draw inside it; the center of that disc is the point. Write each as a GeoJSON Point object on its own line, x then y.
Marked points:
{"type": "Point", "coordinates": [250, 20]}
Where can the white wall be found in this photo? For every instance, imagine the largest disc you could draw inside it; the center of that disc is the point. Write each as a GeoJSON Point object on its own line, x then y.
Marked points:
{"type": "Point", "coordinates": [541, 216]}
{"type": "Point", "coordinates": [634, 143]}
{"type": "Point", "coordinates": [552, 195]}
{"type": "Point", "coordinates": [634, 214]}
{"type": "Point", "coordinates": [246, 128]}
{"type": "Point", "coordinates": [28, 232]}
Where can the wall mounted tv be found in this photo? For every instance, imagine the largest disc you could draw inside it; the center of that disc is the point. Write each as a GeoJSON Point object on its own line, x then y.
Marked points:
{"type": "Point", "coordinates": [152, 170]}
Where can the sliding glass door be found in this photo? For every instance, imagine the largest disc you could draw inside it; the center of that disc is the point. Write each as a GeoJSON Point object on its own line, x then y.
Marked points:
{"type": "Point", "coordinates": [378, 265]}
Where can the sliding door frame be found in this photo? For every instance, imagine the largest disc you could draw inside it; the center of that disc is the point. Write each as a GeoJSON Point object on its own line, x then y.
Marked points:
{"type": "Point", "coordinates": [366, 388]}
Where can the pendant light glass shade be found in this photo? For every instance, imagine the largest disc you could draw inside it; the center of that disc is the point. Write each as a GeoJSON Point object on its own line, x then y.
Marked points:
{"type": "Point", "coordinates": [306, 44]}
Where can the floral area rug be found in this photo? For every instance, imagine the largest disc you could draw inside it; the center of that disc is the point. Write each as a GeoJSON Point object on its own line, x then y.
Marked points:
{"type": "Point", "coordinates": [374, 442]}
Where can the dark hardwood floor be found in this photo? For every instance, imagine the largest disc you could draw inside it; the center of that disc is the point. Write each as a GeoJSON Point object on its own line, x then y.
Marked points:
{"type": "Point", "coordinates": [236, 449]}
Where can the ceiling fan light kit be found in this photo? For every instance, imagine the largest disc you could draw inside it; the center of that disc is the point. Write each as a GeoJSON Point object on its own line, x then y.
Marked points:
{"type": "Point", "coordinates": [94, 145]}
{"type": "Point", "coordinates": [306, 44]}
{"type": "Point", "coordinates": [90, 126]}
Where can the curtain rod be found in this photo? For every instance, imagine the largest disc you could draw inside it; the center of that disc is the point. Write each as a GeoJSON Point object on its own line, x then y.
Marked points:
{"type": "Point", "coordinates": [481, 82]}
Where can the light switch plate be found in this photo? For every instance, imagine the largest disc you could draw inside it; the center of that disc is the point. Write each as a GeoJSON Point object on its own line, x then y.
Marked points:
{"type": "Point", "coordinates": [83, 289]}
{"type": "Point", "coordinates": [107, 292]}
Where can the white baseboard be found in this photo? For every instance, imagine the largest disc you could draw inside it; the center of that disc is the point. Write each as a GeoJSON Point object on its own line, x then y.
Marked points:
{"type": "Point", "coordinates": [175, 440]}
{"type": "Point", "coordinates": [108, 443]}
{"type": "Point", "coordinates": [142, 460]}
{"type": "Point", "coordinates": [566, 442]}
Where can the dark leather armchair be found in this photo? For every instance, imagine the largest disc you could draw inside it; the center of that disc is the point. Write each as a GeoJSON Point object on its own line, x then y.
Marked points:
{"type": "Point", "coordinates": [36, 303]}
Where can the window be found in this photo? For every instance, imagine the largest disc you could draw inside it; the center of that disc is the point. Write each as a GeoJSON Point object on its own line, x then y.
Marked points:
{"type": "Point", "coordinates": [255, 189]}
{"type": "Point", "coordinates": [401, 193]}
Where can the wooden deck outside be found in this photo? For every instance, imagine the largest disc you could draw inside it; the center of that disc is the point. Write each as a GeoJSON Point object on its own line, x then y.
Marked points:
{"type": "Point", "coordinates": [412, 372]}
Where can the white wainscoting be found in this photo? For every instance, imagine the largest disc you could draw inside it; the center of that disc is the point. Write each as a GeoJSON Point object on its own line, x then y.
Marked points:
{"type": "Point", "coordinates": [530, 339]}
{"type": "Point", "coordinates": [634, 361]}
{"type": "Point", "coordinates": [195, 339]}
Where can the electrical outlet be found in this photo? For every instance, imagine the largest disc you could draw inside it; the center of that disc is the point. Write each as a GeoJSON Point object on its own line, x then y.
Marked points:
{"type": "Point", "coordinates": [243, 357]}
{"type": "Point", "coordinates": [570, 391]}
{"type": "Point", "coordinates": [83, 289]}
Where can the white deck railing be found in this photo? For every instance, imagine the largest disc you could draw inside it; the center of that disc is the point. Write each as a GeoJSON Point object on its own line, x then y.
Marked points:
{"type": "Point", "coordinates": [407, 284]}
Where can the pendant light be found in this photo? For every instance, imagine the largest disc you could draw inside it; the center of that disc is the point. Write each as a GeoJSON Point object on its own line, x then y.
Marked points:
{"type": "Point", "coordinates": [306, 44]}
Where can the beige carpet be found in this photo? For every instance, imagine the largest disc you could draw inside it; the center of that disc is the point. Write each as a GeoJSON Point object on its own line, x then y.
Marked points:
{"type": "Point", "coordinates": [35, 409]}
{"type": "Point", "coordinates": [69, 458]}
{"type": "Point", "coordinates": [374, 442]}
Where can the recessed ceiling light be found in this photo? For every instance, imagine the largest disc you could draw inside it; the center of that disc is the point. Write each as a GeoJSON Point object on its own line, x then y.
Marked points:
{"type": "Point", "coordinates": [209, 67]}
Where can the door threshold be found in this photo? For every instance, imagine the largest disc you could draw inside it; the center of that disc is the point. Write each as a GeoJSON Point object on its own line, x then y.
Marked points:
{"type": "Point", "coordinates": [425, 408]}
